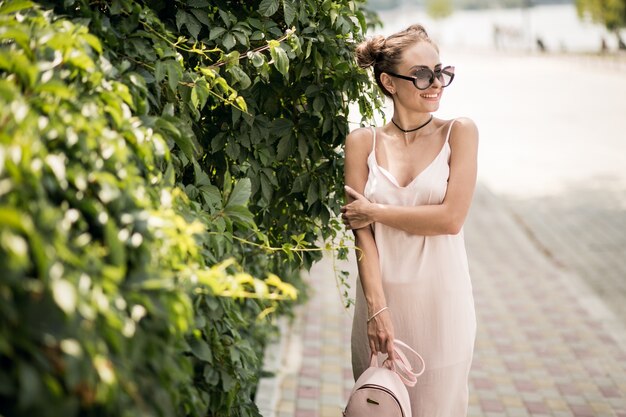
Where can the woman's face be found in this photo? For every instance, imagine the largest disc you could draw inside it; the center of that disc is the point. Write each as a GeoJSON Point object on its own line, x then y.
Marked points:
{"type": "Point", "coordinates": [415, 57]}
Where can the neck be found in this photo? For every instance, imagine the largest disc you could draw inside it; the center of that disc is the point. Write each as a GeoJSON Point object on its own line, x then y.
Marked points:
{"type": "Point", "coordinates": [408, 123]}
{"type": "Point", "coordinates": [411, 127]}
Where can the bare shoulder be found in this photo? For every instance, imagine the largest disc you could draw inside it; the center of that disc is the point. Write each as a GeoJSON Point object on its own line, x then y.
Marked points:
{"type": "Point", "coordinates": [465, 128]}
{"type": "Point", "coordinates": [359, 140]}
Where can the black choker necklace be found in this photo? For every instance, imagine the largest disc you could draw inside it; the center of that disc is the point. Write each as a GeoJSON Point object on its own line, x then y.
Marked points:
{"type": "Point", "coordinates": [412, 130]}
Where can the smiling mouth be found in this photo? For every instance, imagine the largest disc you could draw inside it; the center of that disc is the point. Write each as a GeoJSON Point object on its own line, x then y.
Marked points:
{"type": "Point", "coordinates": [430, 95]}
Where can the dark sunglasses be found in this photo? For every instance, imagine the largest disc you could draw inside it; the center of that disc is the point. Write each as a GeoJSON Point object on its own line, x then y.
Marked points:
{"type": "Point", "coordinates": [425, 77]}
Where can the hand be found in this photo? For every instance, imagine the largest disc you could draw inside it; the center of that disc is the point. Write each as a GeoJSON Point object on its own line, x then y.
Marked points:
{"type": "Point", "coordinates": [380, 334]}
{"type": "Point", "coordinates": [356, 214]}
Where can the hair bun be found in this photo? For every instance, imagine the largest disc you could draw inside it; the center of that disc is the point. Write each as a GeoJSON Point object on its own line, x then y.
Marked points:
{"type": "Point", "coordinates": [419, 29]}
{"type": "Point", "coordinates": [369, 50]}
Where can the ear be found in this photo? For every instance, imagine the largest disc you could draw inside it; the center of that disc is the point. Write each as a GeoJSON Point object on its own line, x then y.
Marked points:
{"type": "Point", "coordinates": [388, 82]}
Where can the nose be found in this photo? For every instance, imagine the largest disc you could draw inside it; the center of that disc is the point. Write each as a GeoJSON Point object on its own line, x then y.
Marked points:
{"type": "Point", "coordinates": [437, 83]}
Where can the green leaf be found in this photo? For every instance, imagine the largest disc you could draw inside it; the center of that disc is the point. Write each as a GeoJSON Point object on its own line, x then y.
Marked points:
{"type": "Point", "coordinates": [268, 7]}
{"type": "Point", "coordinates": [240, 76]}
{"type": "Point", "coordinates": [228, 41]}
{"type": "Point", "coordinates": [64, 295]}
{"type": "Point", "coordinates": [228, 382]}
{"type": "Point", "coordinates": [24, 69]}
{"type": "Point", "coordinates": [284, 148]}
{"type": "Point", "coordinates": [226, 17]}
{"type": "Point", "coordinates": [289, 11]}
{"type": "Point", "coordinates": [57, 88]}
{"type": "Point", "coordinates": [159, 71]}
{"type": "Point", "coordinates": [198, 3]}
{"type": "Point", "coordinates": [303, 147]}
{"type": "Point", "coordinates": [19, 36]}
{"type": "Point", "coordinates": [216, 32]}
{"type": "Point", "coordinates": [200, 93]}
{"type": "Point", "coordinates": [241, 102]}
{"type": "Point", "coordinates": [187, 145]}
{"type": "Point", "coordinates": [300, 183]}
{"type": "Point", "coordinates": [241, 38]}
{"type": "Point", "coordinates": [257, 58]}
{"type": "Point", "coordinates": [311, 195]}
{"type": "Point", "coordinates": [28, 377]}
{"type": "Point", "coordinates": [240, 194]}
{"type": "Point", "coordinates": [266, 188]}
{"type": "Point", "coordinates": [282, 127]}
{"type": "Point", "coordinates": [174, 74]}
{"type": "Point", "coordinates": [92, 41]}
{"type": "Point", "coordinates": [15, 5]}
{"type": "Point", "coordinates": [201, 350]}
{"type": "Point", "coordinates": [317, 58]}
{"type": "Point", "coordinates": [184, 141]}
{"type": "Point", "coordinates": [318, 104]}
{"type": "Point", "coordinates": [12, 217]}
{"type": "Point", "coordinates": [211, 195]}
{"type": "Point", "coordinates": [281, 61]}
{"type": "Point", "coordinates": [333, 15]}
{"type": "Point", "coordinates": [187, 19]}
{"type": "Point", "coordinates": [240, 214]}
{"type": "Point", "coordinates": [181, 18]}
{"type": "Point", "coordinates": [167, 128]}
{"type": "Point", "coordinates": [202, 16]}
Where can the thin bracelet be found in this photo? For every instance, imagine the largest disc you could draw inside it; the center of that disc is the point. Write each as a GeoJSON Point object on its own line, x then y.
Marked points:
{"type": "Point", "coordinates": [377, 313]}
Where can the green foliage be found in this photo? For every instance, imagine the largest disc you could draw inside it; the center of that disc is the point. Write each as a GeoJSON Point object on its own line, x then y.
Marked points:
{"type": "Point", "coordinates": [169, 152]}
{"type": "Point", "coordinates": [610, 13]}
{"type": "Point", "coordinates": [101, 255]}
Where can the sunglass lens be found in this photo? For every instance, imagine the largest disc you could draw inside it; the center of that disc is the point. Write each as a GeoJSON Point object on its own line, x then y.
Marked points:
{"type": "Point", "coordinates": [446, 75]}
{"type": "Point", "coordinates": [423, 78]}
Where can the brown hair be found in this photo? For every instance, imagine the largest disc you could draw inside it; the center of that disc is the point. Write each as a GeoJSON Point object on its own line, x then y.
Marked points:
{"type": "Point", "coordinates": [384, 53]}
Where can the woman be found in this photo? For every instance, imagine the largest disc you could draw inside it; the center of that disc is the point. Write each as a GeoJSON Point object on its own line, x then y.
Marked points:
{"type": "Point", "coordinates": [409, 185]}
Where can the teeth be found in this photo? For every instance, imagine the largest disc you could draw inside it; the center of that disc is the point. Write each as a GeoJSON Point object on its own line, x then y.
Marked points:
{"type": "Point", "coordinates": [429, 95]}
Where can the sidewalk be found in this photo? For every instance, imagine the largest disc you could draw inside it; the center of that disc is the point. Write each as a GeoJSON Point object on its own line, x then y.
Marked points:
{"type": "Point", "coordinates": [546, 345]}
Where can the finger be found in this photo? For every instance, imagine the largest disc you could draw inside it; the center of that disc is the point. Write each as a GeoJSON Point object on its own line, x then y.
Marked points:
{"type": "Point", "coordinates": [353, 193]}
{"type": "Point", "coordinates": [382, 343]}
{"type": "Point", "coordinates": [376, 344]}
{"type": "Point", "coordinates": [390, 352]}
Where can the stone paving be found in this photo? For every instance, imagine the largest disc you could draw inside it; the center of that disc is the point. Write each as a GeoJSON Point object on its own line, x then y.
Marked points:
{"type": "Point", "coordinates": [546, 345]}
{"type": "Point", "coordinates": [584, 228]}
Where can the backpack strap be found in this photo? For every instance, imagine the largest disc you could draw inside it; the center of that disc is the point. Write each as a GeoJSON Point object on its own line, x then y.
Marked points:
{"type": "Point", "coordinates": [401, 365]}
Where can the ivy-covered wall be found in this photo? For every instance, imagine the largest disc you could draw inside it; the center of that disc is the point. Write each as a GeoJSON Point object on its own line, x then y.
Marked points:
{"type": "Point", "coordinates": [155, 156]}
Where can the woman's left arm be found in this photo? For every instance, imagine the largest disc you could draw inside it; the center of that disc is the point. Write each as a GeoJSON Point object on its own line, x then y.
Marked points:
{"type": "Point", "coordinates": [446, 218]}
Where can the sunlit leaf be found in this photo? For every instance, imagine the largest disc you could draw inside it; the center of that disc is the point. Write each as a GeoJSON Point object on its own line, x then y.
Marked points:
{"type": "Point", "coordinates": [14, 5]}
{"type": "Point", "coordinates": [281, 61]}
{"type": "Point", "coordinates": [64, 295]}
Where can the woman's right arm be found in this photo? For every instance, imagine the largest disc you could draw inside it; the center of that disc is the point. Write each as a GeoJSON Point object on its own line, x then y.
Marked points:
{"type": "Point", "coordinates": [380, 329]}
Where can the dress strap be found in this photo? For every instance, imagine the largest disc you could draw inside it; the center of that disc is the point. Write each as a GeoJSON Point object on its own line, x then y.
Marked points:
{"type": "Point", "coordinates": [450, 129]}
{"type": "Point", "coordinates": [373, 138]}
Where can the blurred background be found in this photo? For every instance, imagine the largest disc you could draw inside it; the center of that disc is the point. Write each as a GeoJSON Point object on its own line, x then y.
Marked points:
{"type": "Point", "coordinates": [545, 81]}
{"type": "Point", "coordinates": [513, 25]}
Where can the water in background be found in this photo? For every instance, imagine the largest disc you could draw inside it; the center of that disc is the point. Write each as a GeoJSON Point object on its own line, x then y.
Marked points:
{"type": "Point", "coordinates": [557, 26]}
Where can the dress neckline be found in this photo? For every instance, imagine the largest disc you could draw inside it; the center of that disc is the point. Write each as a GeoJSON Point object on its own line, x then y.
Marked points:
{"type": "Point", "coordinates": [391, 177]}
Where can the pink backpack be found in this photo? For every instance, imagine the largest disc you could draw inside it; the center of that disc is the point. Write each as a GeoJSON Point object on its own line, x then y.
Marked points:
{"type": "Point", "coordinates": [381, 391]}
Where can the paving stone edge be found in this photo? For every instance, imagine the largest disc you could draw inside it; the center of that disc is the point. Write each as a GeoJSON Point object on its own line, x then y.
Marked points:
{"type": "Point", "coordinates": [282, 357]}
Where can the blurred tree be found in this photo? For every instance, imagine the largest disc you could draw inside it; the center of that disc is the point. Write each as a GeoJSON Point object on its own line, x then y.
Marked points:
{"type": "Point", "coordinates": [611, 13]}
{"type": "Point", "coordinates": [439, 9]}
